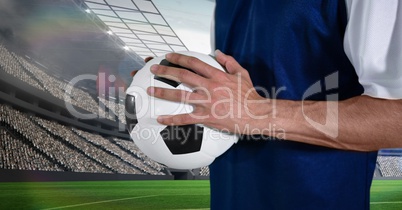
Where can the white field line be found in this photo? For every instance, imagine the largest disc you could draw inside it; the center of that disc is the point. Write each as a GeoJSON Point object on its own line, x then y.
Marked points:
{"type": "Point", "coordinates": [385, 202]}
{"type": "Point", "coordinates": [105, 201]}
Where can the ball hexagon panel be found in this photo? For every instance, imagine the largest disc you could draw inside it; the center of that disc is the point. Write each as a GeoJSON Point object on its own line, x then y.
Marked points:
{"type": "Point", "coordinates": [183, 139]}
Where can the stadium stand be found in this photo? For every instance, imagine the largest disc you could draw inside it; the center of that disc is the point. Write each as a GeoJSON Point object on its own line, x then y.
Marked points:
{"type": "Point", "coordinates": [111, 161]}
{"type": "Point", "coordinates": [204, 171]}
{"type": "Point", "coordinates": [32, 74]}
{"type": "Point", "coordinates": [390, 166]}
{"type": "Point", "coordinates": [129, 146]}
{"type": "Point", "coordinates": [70, 149]}
{"type": "Point", "coordinates": [117, 108]}
{"type": "Point", "coordinates": [112, 148]}
{"type": "Point", "coordinates": [11, 66]}
{"type": "Point", "coordinates": [15, 154]}
{"type": "Point", "coordinates": [61, 153]}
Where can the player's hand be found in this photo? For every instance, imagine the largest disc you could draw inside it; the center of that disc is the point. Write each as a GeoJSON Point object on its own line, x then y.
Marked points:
{"type": "Point", "coordinates": [223, 100]}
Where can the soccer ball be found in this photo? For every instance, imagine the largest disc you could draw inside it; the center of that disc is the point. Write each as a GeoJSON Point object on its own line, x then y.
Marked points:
{"type": "Point", "coordinates": [179, 147]}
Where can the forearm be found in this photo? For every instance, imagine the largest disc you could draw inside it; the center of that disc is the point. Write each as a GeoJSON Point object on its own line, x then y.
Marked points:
{"type": "Point", "coordinates": [361, 123]}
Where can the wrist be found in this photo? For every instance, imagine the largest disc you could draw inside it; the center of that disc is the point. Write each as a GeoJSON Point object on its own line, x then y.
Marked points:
{"type": "Point", "coordinates": [279, 118]}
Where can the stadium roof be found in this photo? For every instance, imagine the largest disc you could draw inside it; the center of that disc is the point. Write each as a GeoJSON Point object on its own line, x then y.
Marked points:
{"type": "Point", "coordinates": [138, 24]}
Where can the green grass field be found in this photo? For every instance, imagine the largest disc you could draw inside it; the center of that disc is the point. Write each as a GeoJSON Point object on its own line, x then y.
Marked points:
{"type": "Point", "coordinates": [386, 194]}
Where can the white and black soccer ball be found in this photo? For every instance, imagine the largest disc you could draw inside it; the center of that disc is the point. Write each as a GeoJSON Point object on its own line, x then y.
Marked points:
{"type": "Point", "coordinates": [179, 147]}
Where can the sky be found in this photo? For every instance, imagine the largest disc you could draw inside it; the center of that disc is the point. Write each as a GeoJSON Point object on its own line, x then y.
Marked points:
{"type": "Point", "coordinates": [191, 20]}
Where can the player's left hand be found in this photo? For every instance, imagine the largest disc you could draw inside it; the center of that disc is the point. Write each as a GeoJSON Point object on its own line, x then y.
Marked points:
{"type": "Point", "coordinates": [223, 100]}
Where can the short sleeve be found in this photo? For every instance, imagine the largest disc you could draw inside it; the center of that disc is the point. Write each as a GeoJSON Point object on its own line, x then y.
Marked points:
{"type": "Point", "coordinates": [373, 43]}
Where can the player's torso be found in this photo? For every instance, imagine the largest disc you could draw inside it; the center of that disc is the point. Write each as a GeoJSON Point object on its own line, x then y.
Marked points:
{"type": "Point", "coordinates": [287, 46]}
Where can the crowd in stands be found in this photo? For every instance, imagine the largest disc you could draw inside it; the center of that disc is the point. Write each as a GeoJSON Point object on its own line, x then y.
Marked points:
{"type": "Point", "coordinates": [112, 148]}
{"type": "Point", "coordinates": [390, 166]}
{"type": "Point", "coordinates": [66, 148]}
{"type": "Point", "coordinates": [11, 66]}
{"type": "Point", "coordinates": [117, 109]}
{"type": "Point", "coordinates": [37, 77]}
{"type": "Point", "coordinates": [204, 171]}
{"type": "Point", "coordinates": [66, 134]}
{"type": "Point", "coordinates": [67, 157]}
{"type": "Point", "coordinates": [129, 146]}
{"type": "Point", "coordinates": [14, 154]}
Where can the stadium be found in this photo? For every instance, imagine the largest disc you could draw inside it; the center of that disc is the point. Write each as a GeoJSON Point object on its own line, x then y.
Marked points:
{"type": "Point", "coordinates": [64, 69]}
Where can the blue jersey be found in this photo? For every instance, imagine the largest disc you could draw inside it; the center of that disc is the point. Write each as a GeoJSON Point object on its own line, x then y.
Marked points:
{"type": "Point", "coordinates": [289, 44]}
